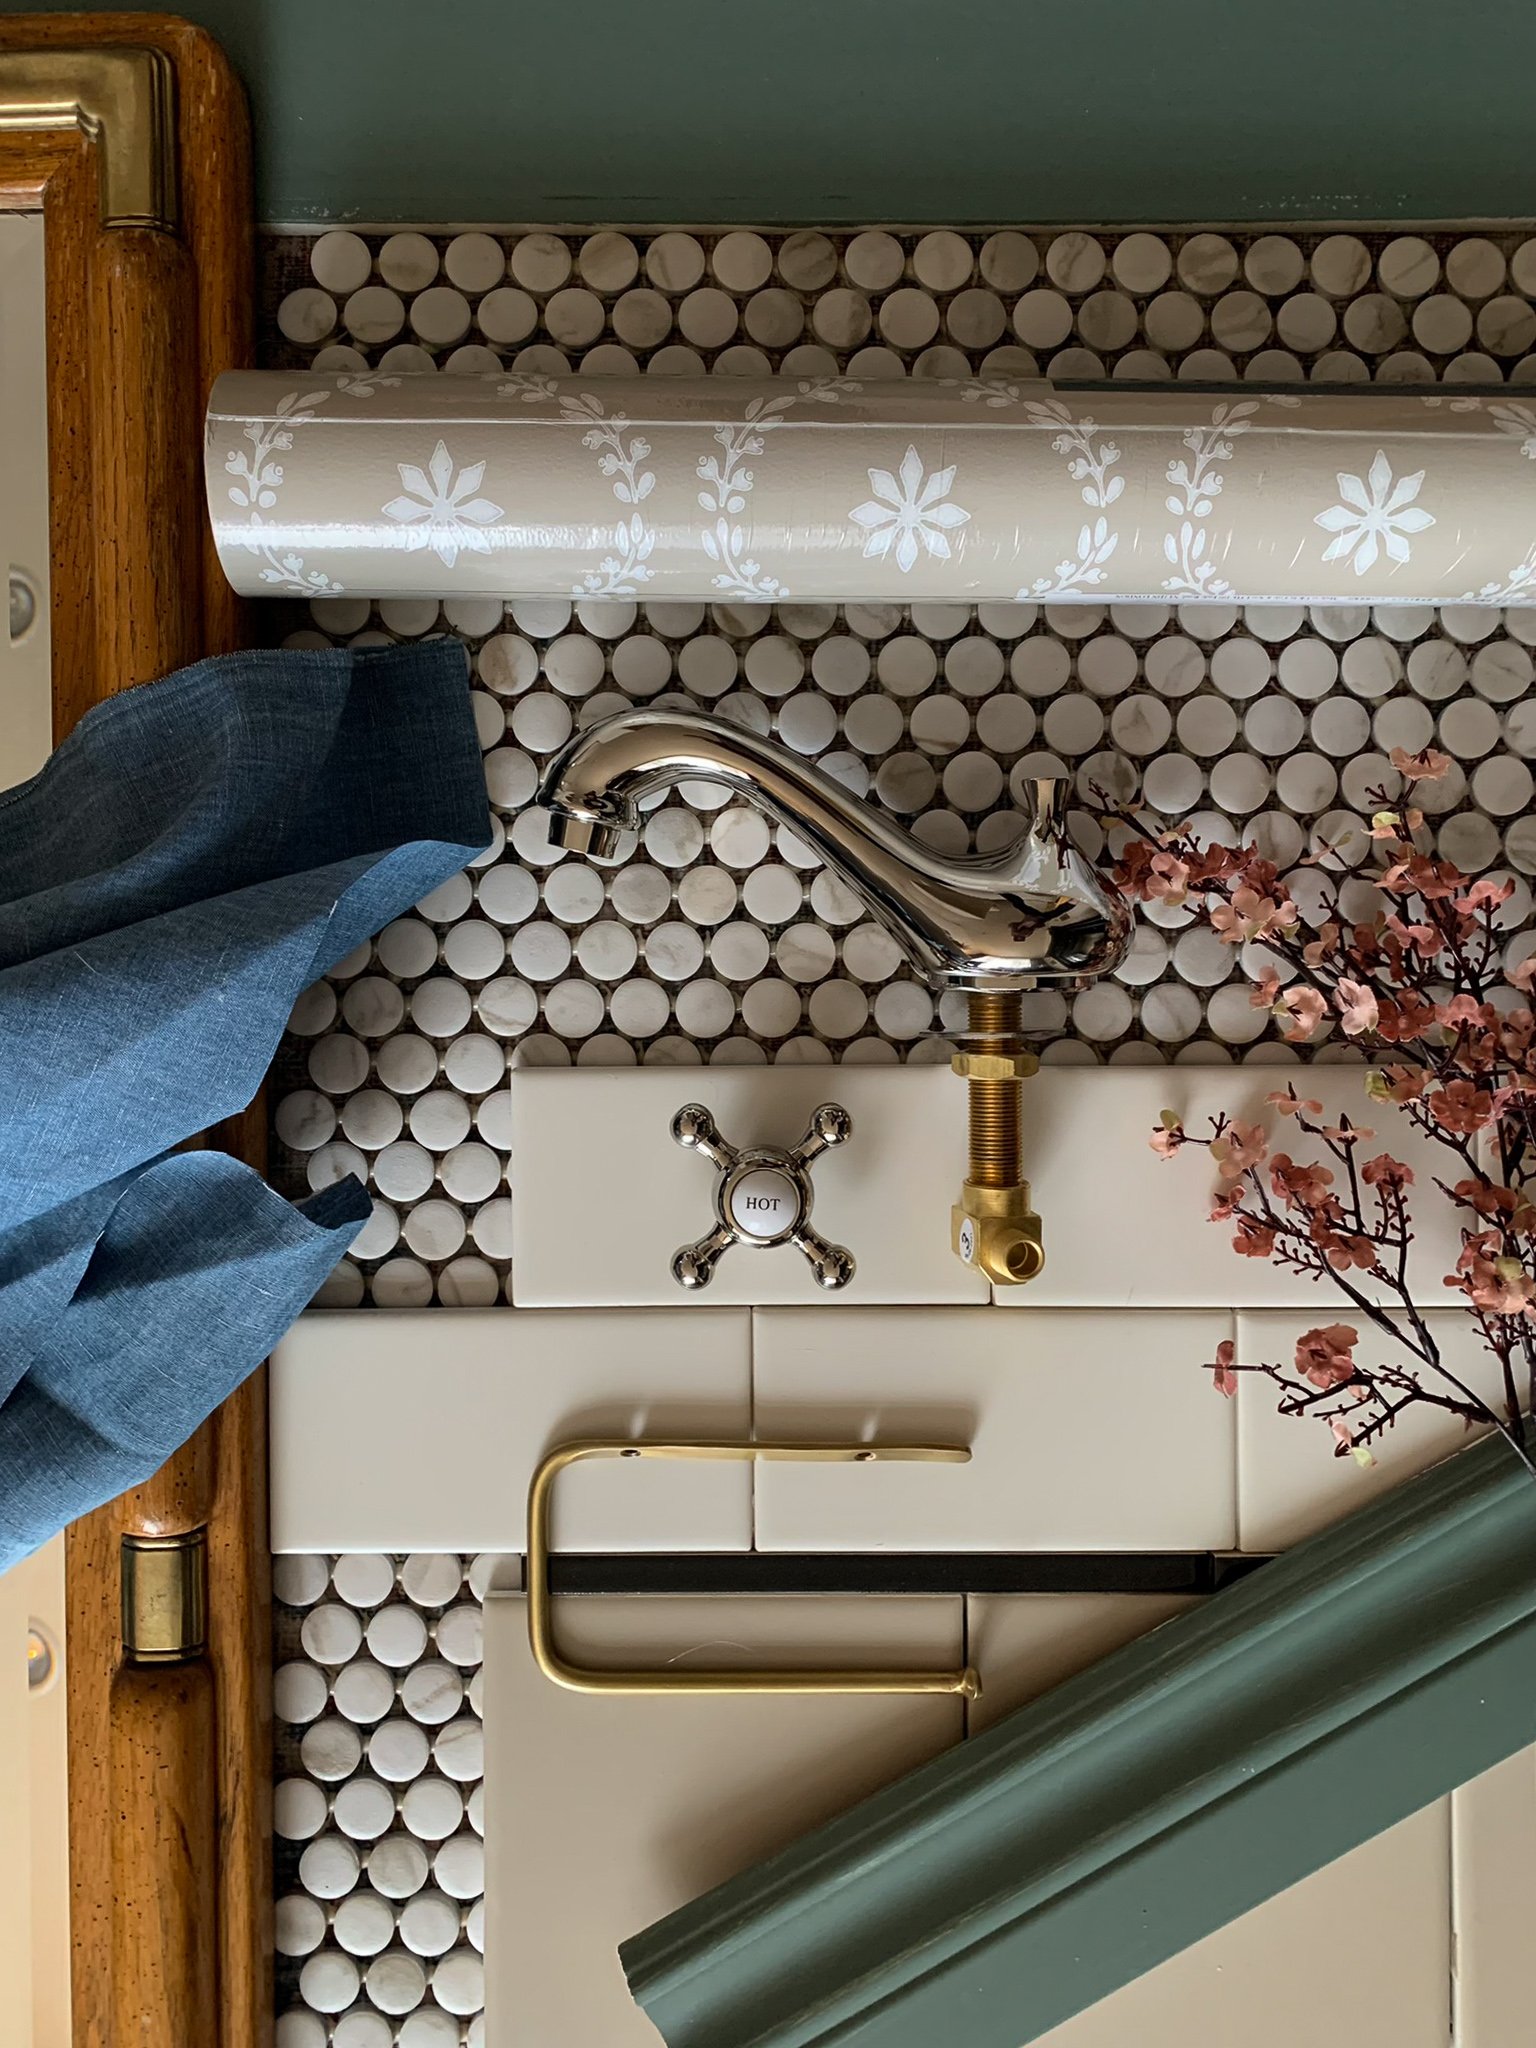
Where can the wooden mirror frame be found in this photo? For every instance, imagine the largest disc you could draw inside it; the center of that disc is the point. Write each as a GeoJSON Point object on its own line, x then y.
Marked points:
{"type": "Point", "coordinates": [128, 132]}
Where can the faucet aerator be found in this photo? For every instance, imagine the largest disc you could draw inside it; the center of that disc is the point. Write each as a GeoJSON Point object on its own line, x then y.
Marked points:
{"type": "Point", "coordinates": [585, 835]}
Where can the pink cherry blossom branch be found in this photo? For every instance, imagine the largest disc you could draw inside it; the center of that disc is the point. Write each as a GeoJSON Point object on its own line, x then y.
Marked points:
{"type": "Point", "coordinates": [1420, 986]}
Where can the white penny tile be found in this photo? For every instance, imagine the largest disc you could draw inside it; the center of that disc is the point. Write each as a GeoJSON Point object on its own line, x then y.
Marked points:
{"type": "Point", "coordinates": [356, 1398]}
{"type": "Point", "coordinates": [1088, 1431]}
{"type": "Point", "coordinates": [1290, 1485]}
{"type": "Point", "coordinates": [660, 1196]}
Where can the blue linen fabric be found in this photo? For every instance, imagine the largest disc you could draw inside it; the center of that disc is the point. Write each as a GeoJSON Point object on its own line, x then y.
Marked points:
{"type": "Point", "coordinates": [195, 854]}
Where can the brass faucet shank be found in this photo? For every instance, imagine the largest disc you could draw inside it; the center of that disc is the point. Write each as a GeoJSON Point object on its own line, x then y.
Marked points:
{"type": "Point", "coordinates": [993, 1226]}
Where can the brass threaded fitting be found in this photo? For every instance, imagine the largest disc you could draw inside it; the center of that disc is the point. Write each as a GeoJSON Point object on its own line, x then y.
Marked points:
{"type": "Point", "coordinates": [993, 1226]}
{"type": "Point", "coordinates": [997, 1133]}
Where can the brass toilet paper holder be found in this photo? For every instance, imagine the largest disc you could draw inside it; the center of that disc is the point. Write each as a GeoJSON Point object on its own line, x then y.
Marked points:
{"type": "Point", "coordinates": [677, 1679]}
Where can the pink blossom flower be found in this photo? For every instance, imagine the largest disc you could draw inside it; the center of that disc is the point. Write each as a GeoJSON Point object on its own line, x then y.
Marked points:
{"type": "Point", "coordinates": [1316, 951]}
{"type": "Point", "coordinates": [1485, 894]}
{"type": "Point", "coordinates": [1344, 1437]}
{"type": "Point", "coordinates": [1493, 1281]}
{"type": "Point", "coordinates": [1225, 1375]}
{"type": "Point", "coordinates": [1326, 1356]}
{"type": "Point", "coordinates": [1255, 1240]}
{"type": "Point", "coordinates": [1252, 916]}
{"type": "Point", "coordinates": [1463, 1009]}
{"type": "Point", "coordinates": [1425, 766]}
{"type": "Point", "coordinates": [1265, 990]}
{"type": "Point", "coordinates": [1305, 1008]}
{"type": "Point", "coordinates": [1461, 1106]}
{"type": "Point", "coordinates": [1299, 1187]}
{"type": "Point", "coordinates": [1168, 1136]}
{"type": "Point", "coordinates": [1357, 1007]}
{"type": "Point", "coordinates": [1386, 1172]}
{"type": "Point", "coordinates": [1346, 1250]}
{"type": "Point", "coordinates": [1289, 1103]}
{"type": "Point", "coordinates": [1239, 1147]}
{"type": "Point", "coordinates": [1524, 976]}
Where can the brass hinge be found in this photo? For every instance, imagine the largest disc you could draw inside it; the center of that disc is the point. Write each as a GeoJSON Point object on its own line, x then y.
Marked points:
{"type": "Point", "coordinates": [165, 1597]}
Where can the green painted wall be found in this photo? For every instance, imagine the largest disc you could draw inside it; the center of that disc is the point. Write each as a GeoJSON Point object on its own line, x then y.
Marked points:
{"type": "Point", "coordinates": [833, 111]}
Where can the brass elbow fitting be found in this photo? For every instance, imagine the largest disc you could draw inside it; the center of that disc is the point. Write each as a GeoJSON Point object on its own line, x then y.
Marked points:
{"type": "Point", "coordinates": [993, 1226]}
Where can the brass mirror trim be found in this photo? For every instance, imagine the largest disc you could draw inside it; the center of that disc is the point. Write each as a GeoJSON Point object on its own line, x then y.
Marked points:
{"type": "Point", "coordinates": [123, 100]}
{"type": "Point", "coordinates": [676, 1679]}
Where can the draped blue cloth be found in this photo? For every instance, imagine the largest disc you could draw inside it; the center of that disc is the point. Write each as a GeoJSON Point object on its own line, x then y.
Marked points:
{"type": "Point", "coordinates": [193, 856]}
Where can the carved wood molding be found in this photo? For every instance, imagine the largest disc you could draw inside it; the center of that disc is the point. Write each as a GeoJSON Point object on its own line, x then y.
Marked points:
{"type": "Point", "coordinates": [128, 133]}
{"type": "Point", "coordinates": [1103, 1828]}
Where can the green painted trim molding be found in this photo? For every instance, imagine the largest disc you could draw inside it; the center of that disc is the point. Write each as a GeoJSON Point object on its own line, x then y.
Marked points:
{"type": "Point", "coordinates": [826, 113]}
{"type": "Point", "coordinates": [1031, 1871]}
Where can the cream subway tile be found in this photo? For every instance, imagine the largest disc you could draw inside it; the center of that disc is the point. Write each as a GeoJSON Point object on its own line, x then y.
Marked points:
{"type": "Point", "coordinates": [1088, 1430]}
{"type": "Point", "coordinates": [1289, 1483]}
{"type": "Point", "coordinates": [418, 1430]}
{"type": "Point", "coordinates": [1126, 1228]}
{"type": "Point", "coordinates": [603, 1195]}
{"type": "Point", "coordinates": [604, 1813]}
{"type": "Point", "coordinates": [1023, 1644]}
{"type": "Point", "coordinates": [1493, 1880]}
{"type": "Point", "coordinates": [1272, 1980]}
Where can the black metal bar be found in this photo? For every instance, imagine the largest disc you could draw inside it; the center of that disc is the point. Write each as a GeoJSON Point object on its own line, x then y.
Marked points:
{"type": "Point", "coordinates": [956, 1571]}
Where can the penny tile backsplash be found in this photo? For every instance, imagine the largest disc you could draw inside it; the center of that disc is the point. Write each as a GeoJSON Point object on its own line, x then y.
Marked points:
{"type": "Point", "coordinates": [717, 938]}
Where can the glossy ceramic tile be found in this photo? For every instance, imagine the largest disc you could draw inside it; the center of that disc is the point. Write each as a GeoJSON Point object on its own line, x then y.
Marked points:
{"type": "Point", "coordinates": [1025, 1643]}
{"type": "Point", "coordinates": [419, 1431]}
{"type": "Point", "coordinates": [1089, 1431]}
{"type": "Point", "coordinates": [1493, 1864]}
{"type": "Point", "coordinates": [1125, 1227]}
{"type": "Point", "coordinates": [602, 1814]}
{"type": "Point", "coordinates": [1289, 1482]}
{"type": "Point", "coordinates": [1356, 1956]}
{"type": "Point", "coordinates": [602, 1195]}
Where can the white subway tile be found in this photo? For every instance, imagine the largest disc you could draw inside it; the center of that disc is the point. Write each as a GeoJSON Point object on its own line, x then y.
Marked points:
{"type": "Point", "coordinates": [603, 1813]}
{"type": "Point", "coordinates": [1290, 1484]}
{"type": "Point", "coordinates": [420, 1429]}
{"type": "Point", "coordinates": [603, 1195]}
{"type": "Point", "coordinates": [1124, 1227]}
{"type": "Point", "coordinates": [1023, 1644]}
{"type": "Point", "coordinates": [1355, 1956]}
{"type": "Point", "coordinates": [1089, 1431]}
{"type": "Point", "coordinates": [1493, 1881]}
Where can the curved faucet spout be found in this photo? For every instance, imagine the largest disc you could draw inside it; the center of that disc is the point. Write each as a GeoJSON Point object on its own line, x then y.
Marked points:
{"type": "Point", "coordinates": [1033, 913]}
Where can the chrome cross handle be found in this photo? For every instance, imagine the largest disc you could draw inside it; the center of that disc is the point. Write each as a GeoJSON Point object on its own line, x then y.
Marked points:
{"type": "Point", "coordinates": [762, 1196]}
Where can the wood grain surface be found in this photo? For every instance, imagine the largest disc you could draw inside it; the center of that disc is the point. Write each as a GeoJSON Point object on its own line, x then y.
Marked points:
{"type": "Point", "coordinates": [169, 1775]}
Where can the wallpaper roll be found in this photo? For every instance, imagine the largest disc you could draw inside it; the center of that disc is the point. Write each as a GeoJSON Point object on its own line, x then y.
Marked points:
{"type": "Point", "coordinates": [744, 490]}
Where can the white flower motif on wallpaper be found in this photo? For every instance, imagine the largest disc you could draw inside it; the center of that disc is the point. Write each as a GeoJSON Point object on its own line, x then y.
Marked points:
{"type": "Point", "coordinates": [1519, 421]}
{"type": "Point", "coordinates": [1376, 514]}
{"type": "Point", "coordinates": [258, 479]}
{"type": "Point", "coordinates": [440, 510]}
{"type": "Point", "coordinates": [908, 509]}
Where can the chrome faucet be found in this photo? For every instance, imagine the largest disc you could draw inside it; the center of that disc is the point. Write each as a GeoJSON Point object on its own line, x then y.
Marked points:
{"type": "Point", "coordinates": [1033, 915]}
